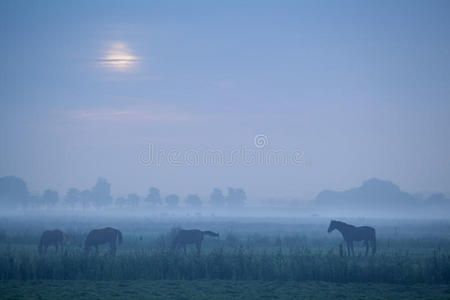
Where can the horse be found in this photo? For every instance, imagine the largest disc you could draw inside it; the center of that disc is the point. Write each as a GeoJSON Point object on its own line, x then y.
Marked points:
{"type": "Point", "coordinates": [193, 236]}
{"type": "Point", "coordinates": [103, 236]}
{"type": "Point", "coordinates": [352, 233]}
{"type": "Point", "coordinates": [52, 237]}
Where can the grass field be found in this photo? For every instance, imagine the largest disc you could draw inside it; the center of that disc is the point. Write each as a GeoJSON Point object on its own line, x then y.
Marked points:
{"type": "Point", "coordinates": [215, 289]}
{"type": "Point", "coordinates": [234, 264]}
{"type": "Point", "coordinates": [258, 259]}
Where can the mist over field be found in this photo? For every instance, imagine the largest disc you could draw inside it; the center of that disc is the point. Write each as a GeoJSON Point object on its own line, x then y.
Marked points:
{"type": "Point", "coordinates": [224, 149]}
{"type": "Point", "coordinates": [374, 198]}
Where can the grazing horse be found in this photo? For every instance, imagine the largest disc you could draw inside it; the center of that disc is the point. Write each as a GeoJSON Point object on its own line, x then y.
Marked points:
{"type": "Point", "coordinates": [193, 236]}
{"type": "Point", "coordinates": [352, 233]}
{"type": "Point", "coordinates": [103, 236]}
{"type": "Point", "coordinates": [51, 237]}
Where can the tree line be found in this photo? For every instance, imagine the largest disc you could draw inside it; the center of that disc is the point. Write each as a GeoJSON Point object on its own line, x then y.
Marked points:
{"type": "Point", "coordinates": [14, 194]}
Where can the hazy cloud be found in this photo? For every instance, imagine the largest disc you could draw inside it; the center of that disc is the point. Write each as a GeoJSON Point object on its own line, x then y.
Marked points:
{"type": "Point", "coordinates": [130, 115]}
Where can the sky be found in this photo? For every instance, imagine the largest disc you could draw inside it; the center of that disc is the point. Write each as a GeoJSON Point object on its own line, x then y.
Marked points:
{"type": "Point", "coordinates": [281, 98]}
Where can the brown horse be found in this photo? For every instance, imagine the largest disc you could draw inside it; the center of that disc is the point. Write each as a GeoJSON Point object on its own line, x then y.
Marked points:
{"type": "Point", "coordinates": [193, 236]}
{"type": "Point", "coordinates": [352, 233]}
{"type": "Point", "coordinates": [52, 238]}
{"type": "Point", "coordinates": [103, 236]}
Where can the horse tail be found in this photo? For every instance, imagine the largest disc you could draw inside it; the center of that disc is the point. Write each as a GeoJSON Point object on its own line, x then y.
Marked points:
{"type": "Point", "coordinates": [119, 235]}
{"type": "Point", "coordinates": [210, 233]}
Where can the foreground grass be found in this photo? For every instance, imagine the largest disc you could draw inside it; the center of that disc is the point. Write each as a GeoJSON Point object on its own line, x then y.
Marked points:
{"type": "Point", "coordinates": [239, 264]}
{"type": "Point", "coordinates": [214, 289]}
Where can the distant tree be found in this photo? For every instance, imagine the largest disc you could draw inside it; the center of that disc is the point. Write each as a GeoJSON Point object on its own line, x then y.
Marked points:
{"type": "Point", "coordinates": [438, 199]}
{"type": "Point", "coordinates": [153, 197]}
{"type": "Point", "coordinates": [374, 194]}
{"type": "Point", "coordinates": [13, 192]}
{"type": "Point", "coordinates": [193, 201]}
{"type": "Point", "coordinates": [85, 199]}
{"type": "Point", "coordinates": [121, 201]}
{"type": "Point", "coordinates": [133, 200]}
{"type": "Point", "coordinates": [236, 197]}
{"type": "Point", "coordinates": [72, 198]}
{"type": "Point", "coordinates": [172, 200]}
{"type": "Point", "coordinates": [217, 198]}
{"type": "Point", "coordinates": [101, 193]}
{"type": "Point", "coordinates": [34, 201]}
{"type": "Point", "coordinates": [50, 198]}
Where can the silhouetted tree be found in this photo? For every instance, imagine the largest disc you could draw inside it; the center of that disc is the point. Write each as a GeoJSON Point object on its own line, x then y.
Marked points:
{"type": "Point", "coordinates": [374, 195]}
{"type": "Point", "coordinates": [13, 192]}
{"type": "Point", "coordinates": [236, 197]}
{"type": "Point", "coordinates": [101, 193]}
{"type": "Point", "coordinates": [121, 201]}
{"type": "Point", "coordinates": [172, 200]}
{"type": "Point", "coordinates": [85, 199]}
{"type": "Point", "coordinates": [217, 198]}
{"type": "Point", "coordinates": [50, 198]}
{"type": "Point", "coordinates": [193, 201]}
{"type": "Point", "coordinates": [34, 201]}
{"type": "Point", "coordinates": [73, 197]}
{"type": "Point", "coordinates": [439, 200]}
{"type": "Point", "coordinates": [153, 197]}
{"type": "Point", "coordinates": [133, 200]}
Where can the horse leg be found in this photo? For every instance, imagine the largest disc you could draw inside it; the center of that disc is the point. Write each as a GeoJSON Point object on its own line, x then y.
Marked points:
{"type": "Point", "coordinates": [113, 248]}
{"type": "Point", "coordinates": [367, 246]}
{"type": "Point", "coordinates": [353, 250]}
{"type": "Point", "coordinates": [348, 249]}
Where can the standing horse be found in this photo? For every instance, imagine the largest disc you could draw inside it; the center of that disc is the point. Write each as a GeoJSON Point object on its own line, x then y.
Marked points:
{"type": "Point", "coordinates": [352, 233]}
{"type": "Point", "coordinates": [103, 236]}
{"type": "Point", "coordinates": [193, 236]}
{"type": "Point", "coordinates": [52, 237]}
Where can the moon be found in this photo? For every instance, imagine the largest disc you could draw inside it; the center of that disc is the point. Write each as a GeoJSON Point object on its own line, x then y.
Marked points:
{"type": "Point", "coordinates": [119, 57]}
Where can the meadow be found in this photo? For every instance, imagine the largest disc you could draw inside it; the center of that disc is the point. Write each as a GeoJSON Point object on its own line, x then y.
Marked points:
{"type": "Point", "coordinates": [291, 254]}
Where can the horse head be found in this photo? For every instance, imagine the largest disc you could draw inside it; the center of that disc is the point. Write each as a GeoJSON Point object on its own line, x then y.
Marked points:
{"type": "Point", "coordinates": [210, 233]}
{"type": "Point", "coordinates": [332, 226]}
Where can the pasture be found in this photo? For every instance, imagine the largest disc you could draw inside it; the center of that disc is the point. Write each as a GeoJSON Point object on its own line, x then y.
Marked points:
{"type": "Point", "coordinates": [294, 256]}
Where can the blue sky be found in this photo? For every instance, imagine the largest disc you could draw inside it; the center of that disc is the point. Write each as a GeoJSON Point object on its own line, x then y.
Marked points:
{"type": "Point", "coordinates": [360, 88]}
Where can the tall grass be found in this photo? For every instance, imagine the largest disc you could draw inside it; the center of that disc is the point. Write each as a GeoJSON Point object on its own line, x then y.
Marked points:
{"type": "Point", "coordinates": [237, 264]}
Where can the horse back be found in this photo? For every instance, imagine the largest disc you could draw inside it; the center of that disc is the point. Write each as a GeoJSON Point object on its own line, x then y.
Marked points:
{"type": "Point", "coordinates": [364, 233]}
{"type": "Point", "coordinates": [101, 236]}
{"type": "Point", "coordinates": [189, 236]}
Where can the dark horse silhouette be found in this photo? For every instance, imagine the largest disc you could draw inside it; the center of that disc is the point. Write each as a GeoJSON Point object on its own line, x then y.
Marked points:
{"type": "Point", "coordinates": [102, 236]}
{"type": "Point", "coordinates": [352, 233]}
{"type": "Point", "coordinates": [51, 238]}
{"type": "Point", "coordinates": [193, 236]}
